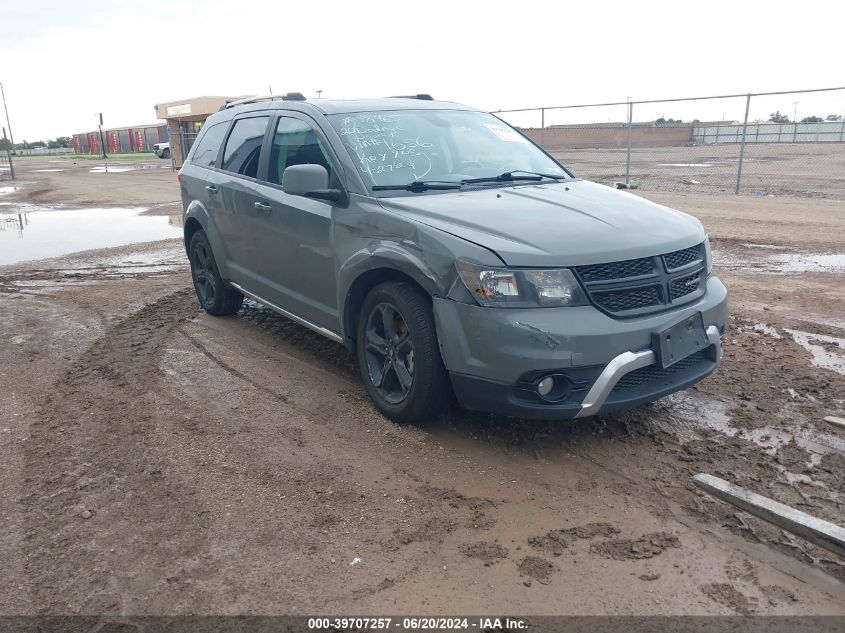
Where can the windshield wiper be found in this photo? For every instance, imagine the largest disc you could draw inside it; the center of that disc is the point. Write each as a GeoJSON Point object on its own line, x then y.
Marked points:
{"type": "Point", "coordinates": [418, 186]}
{"type": "Point", "coordinates": [509, 176]}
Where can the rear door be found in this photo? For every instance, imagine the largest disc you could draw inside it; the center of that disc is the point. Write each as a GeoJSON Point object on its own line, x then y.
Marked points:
{"type": "Point", "coordinates": [294, 238]}
{"type": "Point", "coordinates": [197, 175]}
{"type": "Point", "coordinates": [240, 219]}
{"type": "Point", "coordinates": [199, 180]}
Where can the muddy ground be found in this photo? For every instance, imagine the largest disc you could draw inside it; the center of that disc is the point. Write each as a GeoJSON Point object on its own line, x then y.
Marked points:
{"type": "Point", "coordinates": [157, 460]}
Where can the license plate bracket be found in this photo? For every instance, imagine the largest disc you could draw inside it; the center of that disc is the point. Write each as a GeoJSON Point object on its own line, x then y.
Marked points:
{"type": "Point", "coordinates": [680, 340]}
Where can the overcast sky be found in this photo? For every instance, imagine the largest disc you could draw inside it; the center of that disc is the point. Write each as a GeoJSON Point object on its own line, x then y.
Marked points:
{"type": "Point", "coordinates": [63, 60]}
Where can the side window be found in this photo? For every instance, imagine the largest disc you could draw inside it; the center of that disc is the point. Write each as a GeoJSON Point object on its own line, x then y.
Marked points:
{"type": "Point", "coordinates": [243, 148]}
{"type": "Point", "coordinates": [206, 150]}
{"type": "Point", "coordinates": [296, 143]}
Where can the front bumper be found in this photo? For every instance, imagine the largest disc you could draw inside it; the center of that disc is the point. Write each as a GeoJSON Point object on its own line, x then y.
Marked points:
{"type": "Point", "coordinates": [496, 356]}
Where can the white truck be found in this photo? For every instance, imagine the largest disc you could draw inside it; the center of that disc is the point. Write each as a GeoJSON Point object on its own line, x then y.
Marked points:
{"type": "Point", "coordinates": [162, 150]}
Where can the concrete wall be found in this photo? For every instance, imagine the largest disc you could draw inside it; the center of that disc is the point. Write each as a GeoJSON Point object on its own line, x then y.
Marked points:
{"type": "Point", "coordinates": [598, 136]}
{"type": "Point", "coordinates": [615, 135]}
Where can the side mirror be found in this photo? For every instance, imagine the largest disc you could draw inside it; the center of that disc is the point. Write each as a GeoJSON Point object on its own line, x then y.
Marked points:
{"type": "Point", "coordinates": [311, 181]}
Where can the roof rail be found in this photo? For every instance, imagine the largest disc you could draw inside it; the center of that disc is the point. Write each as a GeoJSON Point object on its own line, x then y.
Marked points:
{"type": "Point", "coordinates": [290, 96]}
{"type": "Point", "coordinates": [422, 97]}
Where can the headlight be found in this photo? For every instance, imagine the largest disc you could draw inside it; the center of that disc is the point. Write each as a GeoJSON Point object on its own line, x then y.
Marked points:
{"type": "Point", "coordinates": [517, 288]}
{"type": "Point", "coordinates": [708, 255]}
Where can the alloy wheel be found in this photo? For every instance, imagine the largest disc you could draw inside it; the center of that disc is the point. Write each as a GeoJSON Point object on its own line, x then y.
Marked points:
{"type": "Point", "coordinates": [204, 276]}
{"type": "Point", "coordinates": [389, 353]}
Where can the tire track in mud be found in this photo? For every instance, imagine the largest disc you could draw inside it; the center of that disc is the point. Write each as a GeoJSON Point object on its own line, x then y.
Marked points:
{"type": "Point", "coordinates": [228, 368]}
{"type": "Point", "coordinates": [101, 504]}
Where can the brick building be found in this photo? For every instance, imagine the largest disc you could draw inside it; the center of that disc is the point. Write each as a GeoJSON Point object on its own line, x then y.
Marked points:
{"type": "Point", "coordinates": [184, 118]}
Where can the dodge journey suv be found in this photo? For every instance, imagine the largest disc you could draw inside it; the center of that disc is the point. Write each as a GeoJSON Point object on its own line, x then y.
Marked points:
{"type": "Point", "coordinates": [451, 254]}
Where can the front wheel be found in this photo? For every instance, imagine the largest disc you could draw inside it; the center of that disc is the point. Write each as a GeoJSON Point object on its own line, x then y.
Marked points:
{"type": "Point", "coordinates": [398, 353]}
{"type": "Point", "coordinates": [214, 295]}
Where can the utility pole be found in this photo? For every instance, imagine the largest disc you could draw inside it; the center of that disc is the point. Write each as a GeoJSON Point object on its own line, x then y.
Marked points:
{"type": "Point", "coordinates": [9, 123]}
{"type": "Point", "coordinates": [102, 140]}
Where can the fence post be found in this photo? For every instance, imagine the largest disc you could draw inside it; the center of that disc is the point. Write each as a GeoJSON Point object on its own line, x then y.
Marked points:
{"type": "Point", "coordinates": [742, 145]}
{"type": "Point", "coordinates": [543, 128]}
{"type": "Point", "coordinates": [9, 155]}
{"type": "Point", "coordinates": [628, 156]}
{"type": "Point", "coordinates": [842, 129]}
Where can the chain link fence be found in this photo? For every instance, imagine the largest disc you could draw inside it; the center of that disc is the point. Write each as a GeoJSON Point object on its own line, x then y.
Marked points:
{"type": "Point", "coordinates": [730, 144]}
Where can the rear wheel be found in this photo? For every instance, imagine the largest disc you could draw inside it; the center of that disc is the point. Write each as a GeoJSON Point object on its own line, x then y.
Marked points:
{"type": "Point", "coordinates": [165, 153]}
{"type": "Point", "coordinates": [214, 295]}
{"type": "Point", "coordinates": [398, 353]}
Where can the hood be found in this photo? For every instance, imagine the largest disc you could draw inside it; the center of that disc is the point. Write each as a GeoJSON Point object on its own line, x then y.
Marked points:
{"type": "Point", "coordinates": [557, 224]}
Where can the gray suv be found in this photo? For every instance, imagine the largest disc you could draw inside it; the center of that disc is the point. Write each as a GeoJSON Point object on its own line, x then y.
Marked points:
{"type": "Point", "coordinates": [451, 254]}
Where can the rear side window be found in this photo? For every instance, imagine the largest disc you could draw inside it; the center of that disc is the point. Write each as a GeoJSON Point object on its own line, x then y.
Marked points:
{"type": "Point", "coordinates": [295, 143]}
{"type": "Point", "coordinates": [206, 150]}
{"type": "Point", "coordinates": [243, 148]}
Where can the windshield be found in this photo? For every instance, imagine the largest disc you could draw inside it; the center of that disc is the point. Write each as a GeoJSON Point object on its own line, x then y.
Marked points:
{"type": "Point", "coordinates": [400, 147]}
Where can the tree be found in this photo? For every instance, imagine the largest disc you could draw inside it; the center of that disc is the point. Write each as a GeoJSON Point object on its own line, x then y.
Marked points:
{"type": "Point", "coordinates": [777, 117]}
{"type": "Point", "coordinates": [811, 119]}
{"type": "Point", "coordinates": [662, 120]}
{"type": "Point", "coordinates": [60, 141]}
{"type": "Point", "coordinates": [833, 117]}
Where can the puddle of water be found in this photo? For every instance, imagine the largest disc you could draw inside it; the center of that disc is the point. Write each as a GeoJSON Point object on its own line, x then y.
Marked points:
{"type": "Point", "coordinates": [825, 356]}
{"type": "Point", "coordinates": [38, 234]}
{"type": "Point", "coordinates": [781, 263]}
{"type": "Point", "coordinates": [768, 246]}
{"type": "Point", "coordinates": [811, 263]}
{"type": "Point", "coordinates": [110, 169]}
{"type": "Point", "coordinates": [689, 412]}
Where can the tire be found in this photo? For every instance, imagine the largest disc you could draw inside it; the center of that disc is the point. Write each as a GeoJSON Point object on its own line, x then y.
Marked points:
{"type": "Point", "coordinates": [166, 153]}
{"type": "Point", "coordinates": [215, 296]}
{"type": "Point", "coordinates": [395, 330]}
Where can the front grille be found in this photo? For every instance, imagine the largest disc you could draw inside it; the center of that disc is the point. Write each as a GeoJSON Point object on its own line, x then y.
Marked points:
{"type": "Point", "coordinates": [634, 299]}
{"type": "Point", "coordinates": [617, 270]}
{"type": "Point", "coordinates": [646, 284]}
{"type": "Point", "coordinates": [656, 373]}
{"type": "Point", "coordinates": [681, 258]}
{"type": "Point", "coordinates": [683, 286]}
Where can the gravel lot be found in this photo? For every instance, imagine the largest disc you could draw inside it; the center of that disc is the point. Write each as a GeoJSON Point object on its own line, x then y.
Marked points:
{"type": "Point", "coordinates": [814, 170]}
{"type": "Point", "coordinates": [157, 460]}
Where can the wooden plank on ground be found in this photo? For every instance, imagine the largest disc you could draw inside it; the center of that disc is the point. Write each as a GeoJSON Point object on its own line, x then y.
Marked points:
{"type": "Point", "coordinates": [834, 420]}
{"type": "Point", "coordinates": [818, 531]}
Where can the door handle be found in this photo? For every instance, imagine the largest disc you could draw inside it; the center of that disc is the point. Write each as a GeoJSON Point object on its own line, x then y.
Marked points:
{"type": "Point", "coordinates": [211, 188]}
{"type": "Point", "coordinates": [263, 206]}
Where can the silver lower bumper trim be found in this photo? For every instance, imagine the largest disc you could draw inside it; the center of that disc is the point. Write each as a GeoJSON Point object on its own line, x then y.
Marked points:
{"type": "Point", "coordinates": [624, 364]}
{"type": "Point", "coordinates": [319, 329]}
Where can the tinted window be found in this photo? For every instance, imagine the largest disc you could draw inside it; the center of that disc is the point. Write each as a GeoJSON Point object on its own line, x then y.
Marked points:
{"type": "Point", "coordinates": [206, 150]}
{"type": "Point", "coordinates": [296, 143]}
{"type": "Point", "coordinates": [243, 149]}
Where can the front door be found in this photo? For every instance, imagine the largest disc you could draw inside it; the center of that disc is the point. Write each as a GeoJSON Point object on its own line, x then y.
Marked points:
{"type": "Point", "coordinates": [296, 257]}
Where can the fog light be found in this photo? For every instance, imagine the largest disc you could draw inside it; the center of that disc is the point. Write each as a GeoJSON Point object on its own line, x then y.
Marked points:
{"type": "Point", "coordinates": [545, 386]}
